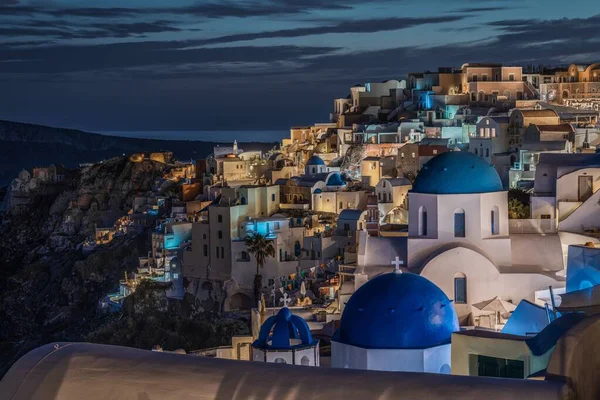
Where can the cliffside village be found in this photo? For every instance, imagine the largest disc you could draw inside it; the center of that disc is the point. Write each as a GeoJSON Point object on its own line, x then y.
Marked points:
{"type": "Point", "coordinates": [404, 192]}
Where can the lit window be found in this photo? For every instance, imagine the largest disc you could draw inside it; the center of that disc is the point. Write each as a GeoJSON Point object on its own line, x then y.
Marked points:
{"type": "Point", "coordinates": [434, 151]}
{"type": "Point", "coordinates": [413, 155]}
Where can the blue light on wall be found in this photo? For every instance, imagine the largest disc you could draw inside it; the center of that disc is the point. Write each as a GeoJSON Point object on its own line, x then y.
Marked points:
{"type": "Point", "coordinates": [428, 101]}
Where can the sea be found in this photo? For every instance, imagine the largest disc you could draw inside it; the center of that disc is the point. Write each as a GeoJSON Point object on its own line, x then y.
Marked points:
{"type": "Point", "coordinates": [207, 136]}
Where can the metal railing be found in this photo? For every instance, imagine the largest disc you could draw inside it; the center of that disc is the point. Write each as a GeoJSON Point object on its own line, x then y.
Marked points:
{"type": "Point", "coordinates": [533, 226]}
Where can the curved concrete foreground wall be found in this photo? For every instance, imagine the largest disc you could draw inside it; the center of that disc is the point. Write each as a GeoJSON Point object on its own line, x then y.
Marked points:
{"type": "Point", "coordinates": [75, 371]}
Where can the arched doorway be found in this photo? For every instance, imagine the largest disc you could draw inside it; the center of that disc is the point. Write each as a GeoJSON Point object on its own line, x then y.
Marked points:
{"type": "Point", "coordinates": [305, 361]}
{"type": "Point", "coordinates": [238, 301]}
{"type": "Point", "coordinates": [565, 94]}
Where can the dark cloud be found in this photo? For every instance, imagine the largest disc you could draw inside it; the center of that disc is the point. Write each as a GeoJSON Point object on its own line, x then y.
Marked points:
{"type": "Point", "coordinates": [519, 43]}
{"type": "Point", "coordinates": [44, 29]}
{"type": "Point", "coordinates": [475, 10]}
{"type": "Point", "coordinates": [359, 26]}
{"type": "Point", "coordinates": [215, 9]}
{"type": "Point", "coordinates": [67, 59]}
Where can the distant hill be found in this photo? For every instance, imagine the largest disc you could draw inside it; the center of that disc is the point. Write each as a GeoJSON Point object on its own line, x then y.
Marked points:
{"type": "Point", "coordinates": [28, 145]}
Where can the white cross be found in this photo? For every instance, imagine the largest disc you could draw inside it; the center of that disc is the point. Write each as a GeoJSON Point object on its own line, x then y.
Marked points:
{"type": "Point", "coordinates": [397, 263]}
{"type": "Point", "coordinates": [285, 300]}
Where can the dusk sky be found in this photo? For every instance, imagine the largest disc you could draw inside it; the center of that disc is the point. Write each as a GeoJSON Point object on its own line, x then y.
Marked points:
{"type": "Point", "coordinates": [198, 65]}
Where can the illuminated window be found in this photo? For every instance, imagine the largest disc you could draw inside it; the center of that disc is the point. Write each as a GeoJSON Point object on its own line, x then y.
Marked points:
{"type": "Point", "coordinates": [434, 151]}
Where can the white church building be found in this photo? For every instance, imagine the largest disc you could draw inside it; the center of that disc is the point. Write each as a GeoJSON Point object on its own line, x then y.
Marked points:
{"type": "Point", "coordinates": [459, 236]}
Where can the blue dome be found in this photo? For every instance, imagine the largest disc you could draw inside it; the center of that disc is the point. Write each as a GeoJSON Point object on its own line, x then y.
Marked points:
{"type": "Point", "coordinates": [457, 172]}
{"type": "Point", "coordinates": [335, 179]}
{"type": "Point", "coordinates": [288, 332]}
{"type": "Point", "coordinates": [317, 191]}
{"type": "Point", "coordinates": [397, 311]}
{"type": "Point", "coordinates": [315, 160]}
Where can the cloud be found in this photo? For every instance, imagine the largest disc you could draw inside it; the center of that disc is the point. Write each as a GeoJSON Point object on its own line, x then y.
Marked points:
{"type": "Point", "coordinates": [215, 9]}
{"type": "Point", "coordinates": [357, 26]}
{"type": "Point", "coordinates": [474, 10]}
{"type": "Point", "coordinates": [44, 29]}
{"type": "Point", "coordinates": [68, 59]}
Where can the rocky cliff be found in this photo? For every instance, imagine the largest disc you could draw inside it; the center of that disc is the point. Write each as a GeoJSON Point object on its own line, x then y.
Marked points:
{"type": "Point", "coordinates": [48, 290]}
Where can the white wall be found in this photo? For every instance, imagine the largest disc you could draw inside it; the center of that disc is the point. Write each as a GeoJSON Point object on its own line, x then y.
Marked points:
{"type": "Point", "coordinates": [409, 360]}
{"type": "Point", "coordinates": [542, 206]}
{"type": "Point", "coordinates": [484, 281]}
{"type": "Point", "coordinates": [477, 209]}
{"type": "Point", "coordinates": [586, 216]}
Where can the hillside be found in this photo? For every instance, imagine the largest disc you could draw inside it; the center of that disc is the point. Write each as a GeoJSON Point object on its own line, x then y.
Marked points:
{"type": "Point", "coordinates": [28, 145]}
{"type": "Point", "coordinates": [49, 291]}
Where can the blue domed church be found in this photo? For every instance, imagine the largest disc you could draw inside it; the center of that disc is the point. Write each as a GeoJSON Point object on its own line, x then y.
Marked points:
{"type": "Point", "coordinates": [285, 338]}
{"type": "Point", "coordinates": [396, 322]}
{"type": "Point", "coordinates": [459, 236]}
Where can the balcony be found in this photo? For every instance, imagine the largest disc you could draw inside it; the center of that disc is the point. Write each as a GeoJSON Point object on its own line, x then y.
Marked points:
{"type": "Point", "coordinates": [531, 226]}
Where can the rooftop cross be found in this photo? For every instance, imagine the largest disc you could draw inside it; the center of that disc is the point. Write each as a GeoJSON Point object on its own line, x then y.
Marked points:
{"type": "Point", "coordinates": [285, 300]}
{"type": "Point", "coordinates": [397, 263]}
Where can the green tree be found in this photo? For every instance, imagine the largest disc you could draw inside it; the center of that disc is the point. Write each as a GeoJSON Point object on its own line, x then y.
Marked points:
{"type": "Point", "coordinates": [261, 248]}
{"type": "Point", "coordinates": [517, 210]}
{"type": "Point", "coordinates": [519, 195]}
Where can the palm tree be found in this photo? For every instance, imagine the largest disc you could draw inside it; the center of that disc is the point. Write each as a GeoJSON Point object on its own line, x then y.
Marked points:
{"type": "Point", "coordinates": [261, 248]}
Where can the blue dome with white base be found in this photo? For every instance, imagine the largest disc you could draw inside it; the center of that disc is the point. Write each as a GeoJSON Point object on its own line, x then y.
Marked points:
{"type": "Point", "coordinates": [457, 172]}
{"type": "Point", "coordinates": [335, 179]}
{"type": "Point", "coordinates": [397, 311]}
{"type": "Point", "coordinates": [284, 331]}
{"type": "Point", "coordinates": [315, 160]}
